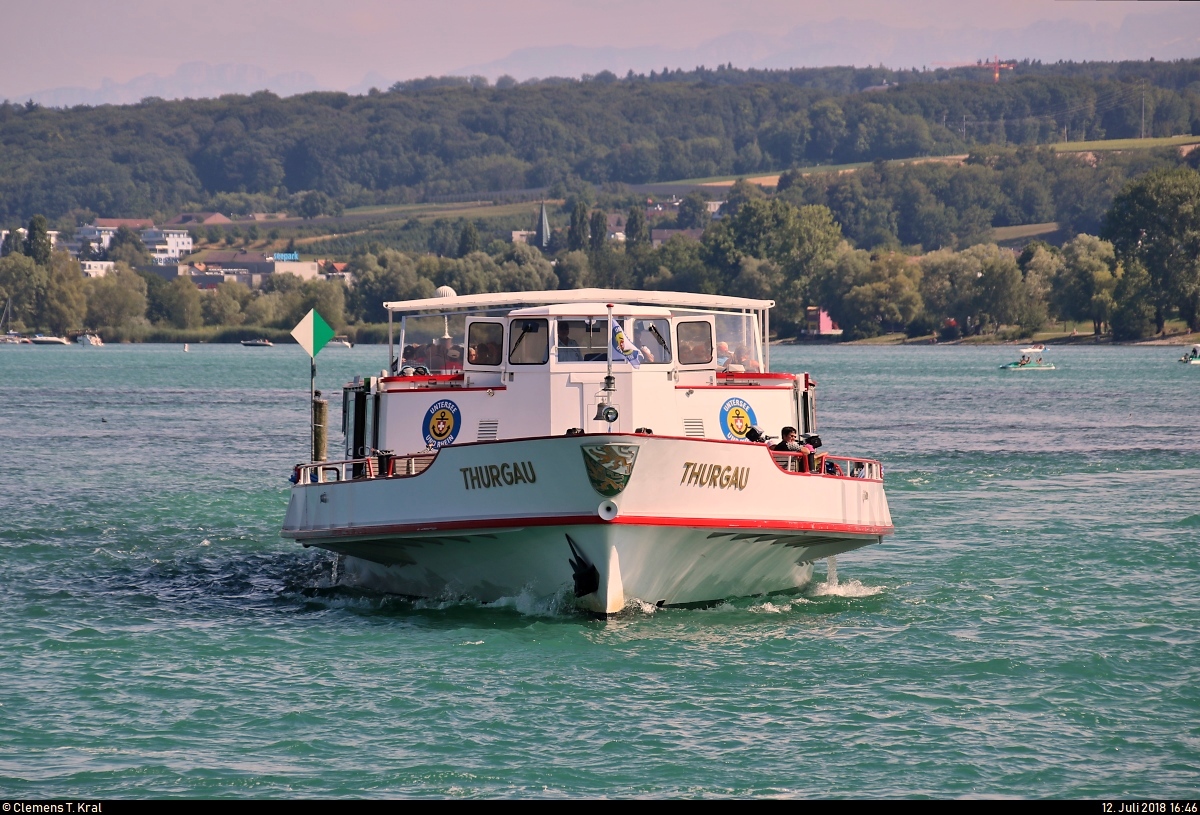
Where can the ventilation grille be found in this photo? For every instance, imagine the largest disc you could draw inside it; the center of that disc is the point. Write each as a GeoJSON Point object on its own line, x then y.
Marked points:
{"type": "Point", "coordinates": [489, 430]}
{"type": "Point", "coordinates": [693, 427]}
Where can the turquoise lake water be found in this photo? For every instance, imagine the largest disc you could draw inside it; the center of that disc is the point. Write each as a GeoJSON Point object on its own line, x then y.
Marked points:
{"type": "Point", "coordinates": [1031, 630]}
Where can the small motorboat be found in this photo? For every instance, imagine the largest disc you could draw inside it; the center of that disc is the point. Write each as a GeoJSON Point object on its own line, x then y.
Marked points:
{"type": "Point", "coordinates": [44, 340]}
{"type": "Point", "coordinates": [342, 340]}
{"type": "Point", "coordinates": [1034, 349]}
{"type": "Point", "coordinates": [89, 340]}
{"type": "Point", "coordinates": [261, 343]}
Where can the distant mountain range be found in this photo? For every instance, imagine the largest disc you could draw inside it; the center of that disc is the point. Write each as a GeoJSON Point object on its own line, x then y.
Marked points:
{"type": "Point", "coordinates": [192, 80]}
{"type": "Point", "coordinates": [1161, 34]}
{"type": "Point", "coordinates": [1171, 34]}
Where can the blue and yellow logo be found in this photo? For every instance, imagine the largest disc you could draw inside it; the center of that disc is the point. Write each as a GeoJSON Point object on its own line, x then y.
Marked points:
{"type": "Point", "coordinates": [442, 423]}
{"type": "Point", "coordinates": [737, 417]}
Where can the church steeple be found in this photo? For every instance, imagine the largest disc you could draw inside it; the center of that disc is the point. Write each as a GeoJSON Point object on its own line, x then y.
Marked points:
{"type": "Point", "coordinates": [541, 236]}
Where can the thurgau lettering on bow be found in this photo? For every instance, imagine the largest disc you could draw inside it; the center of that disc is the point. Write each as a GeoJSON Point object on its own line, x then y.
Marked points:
{"type": "Point", "coordinates": [486, 476]}
{"type": "Point", "coordinates": [715, 476]}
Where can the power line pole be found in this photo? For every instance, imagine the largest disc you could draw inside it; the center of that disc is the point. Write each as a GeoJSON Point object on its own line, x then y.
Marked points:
{"type": "Point", "coordinates": [1143, 110]}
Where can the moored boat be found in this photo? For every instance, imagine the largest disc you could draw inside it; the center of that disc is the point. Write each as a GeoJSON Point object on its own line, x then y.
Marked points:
{"type": "Point", "coordinates": [39, 339]}
{"type": "Point", "coordinates": [261, 343]}
{"type": "Point", "coordinates": [341, 341]}
{"type": "Point", "coordinates": [585, 445]}
{"type": "Point", "coordinates": [89, 340]}
{"type": "Point", "coordinates": [1033, 349]}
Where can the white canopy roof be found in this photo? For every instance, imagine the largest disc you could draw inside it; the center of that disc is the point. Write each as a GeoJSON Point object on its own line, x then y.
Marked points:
{"type": "Point", "coordinates": [589, 310]}
{"type": "Point", "coordinates": [501, 300]}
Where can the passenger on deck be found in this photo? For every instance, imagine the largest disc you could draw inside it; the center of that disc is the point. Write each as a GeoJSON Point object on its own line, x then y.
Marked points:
{"type": "Point", "coordinates": [440, 355]}
{"type": "Point", "coordinates": [568, 349]}
{"type": "Point", "coordinates": [645, 343]}
{"type": "Point", "coordinates": [747, 360]}
{"type": "Point", "coordinates": [790, 442]}
{"type": "Point", "coordinates": [722, 353]}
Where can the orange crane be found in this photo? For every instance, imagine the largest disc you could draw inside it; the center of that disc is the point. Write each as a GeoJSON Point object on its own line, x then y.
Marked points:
{"type": "Point", "coordinates": [996, 65]}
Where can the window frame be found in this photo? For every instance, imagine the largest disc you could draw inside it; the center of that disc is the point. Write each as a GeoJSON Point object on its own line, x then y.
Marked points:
{"type": "Point", "coordinates": [679, 327]}
{"type": "Point", "coordinates": [502, 345]}
{"type": "Point", "coordinates": [515, 336]}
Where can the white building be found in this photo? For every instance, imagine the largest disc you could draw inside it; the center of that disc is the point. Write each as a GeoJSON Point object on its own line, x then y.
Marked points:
{"type": "Point", "coordinates": [167, 245]}
{"type": "Point", "coordinates": [96, 268]}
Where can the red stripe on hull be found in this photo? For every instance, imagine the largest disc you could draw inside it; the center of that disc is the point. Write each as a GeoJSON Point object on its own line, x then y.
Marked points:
{"type": "Point", "coordinates": [750, 524]}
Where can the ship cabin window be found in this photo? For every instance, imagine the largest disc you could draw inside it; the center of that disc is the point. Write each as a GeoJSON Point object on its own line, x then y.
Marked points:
{"type": "Point", "coordinates": [653, 338]}
{"type": "Point", "coordinates": [695, 343]}
{"type": "Point", "coordinates": [441, 355]}
{"type": "Point", "coordinates": [529, 342]}
{"type": "Point", "coordinates": [737, 343]}
{"type": "Point", "coordinates": [583, 340]}
{"type": "Point", "coordinates": [485, 344]}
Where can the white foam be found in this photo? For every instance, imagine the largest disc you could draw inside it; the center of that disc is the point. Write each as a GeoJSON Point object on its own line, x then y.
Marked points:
{"type": "Point", "coordinates": [634, 604]}
{"type": "Point", "coordinates": [848, 588]}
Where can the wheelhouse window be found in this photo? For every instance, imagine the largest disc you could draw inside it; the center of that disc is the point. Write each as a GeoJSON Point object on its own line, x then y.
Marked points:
{"type": "Point", "coordinates": [653, 339]}
{"type": "Point", "coordinates": [529, 342]}
{"type": "Point", "coordinates": [695, 343]}
{"type": "Point", "coordinates": [583, 340]}
{"type": "Point", "coordinates": [485, 344]}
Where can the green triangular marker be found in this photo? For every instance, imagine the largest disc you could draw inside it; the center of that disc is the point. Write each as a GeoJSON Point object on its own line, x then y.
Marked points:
{"type": "Point", "coordinates": [313, 333]}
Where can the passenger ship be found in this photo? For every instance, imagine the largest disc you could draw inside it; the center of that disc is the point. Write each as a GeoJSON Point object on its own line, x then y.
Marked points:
{"type": "Point", "coordinates": [595, 442]}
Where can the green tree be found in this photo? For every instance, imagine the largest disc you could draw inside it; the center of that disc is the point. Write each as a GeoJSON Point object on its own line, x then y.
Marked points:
{"type": "Point", "coordinates": [1133, 312]}
{"type": "Point", "coordinates": [598, 229]}
{"type": "Point", "coordinates": [63, 304]}
{"type": "Point", "coordinates": [126, 247]}
{"type": "Point", "coordinates": [693, 211]}
{"type": "Point", "coordinates": [390, 275]}
{"type": "Point", "coordinates": [12, 244]}
{"type": "Point", "coordinates": [224, 306]}
{"type": "Point", "coordinates": [1083, 288]}
{"type": "Point", "coordinates": [739, 194]}
{"type": "Point", "coordinates": [181, 303]}
{"type": "Point", "coordinates": [37, 241]}
{"type": "Point", "coordinates": [117, 300]}
{"type": "Point", "coordinates": [574, 271]}
{"type": "Point", "coordinates": [23, 283]}
{"type": "Point", "coordinates": [1155, 220]}
{"type": "Point", "coordinates": [636, 231]}
{"type": "Point", "coordinates": [468, 239]}
{"type": "Point", "coordinates": [577, 233]}
{"type": "Point", "coordinates": [328, 297]}
{"type": "Point", "coordinates": [869, 295]}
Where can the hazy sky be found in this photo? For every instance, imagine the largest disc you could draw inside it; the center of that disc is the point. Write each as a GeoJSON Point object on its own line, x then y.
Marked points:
{"type": "Point", "coordinates": [81, 44]}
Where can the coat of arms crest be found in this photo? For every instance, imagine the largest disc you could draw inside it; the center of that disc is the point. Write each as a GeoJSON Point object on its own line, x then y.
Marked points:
{"type": "Point", "coordinates": [609, 466]}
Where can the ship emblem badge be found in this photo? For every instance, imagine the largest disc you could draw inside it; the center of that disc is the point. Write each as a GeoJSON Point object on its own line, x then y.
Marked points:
{"type": "Point", "coordinates": [737, 417]}
{"type": "Point", "coordinates": [442, 423]}
{"type": "Point", "coordinates": [609, 466]}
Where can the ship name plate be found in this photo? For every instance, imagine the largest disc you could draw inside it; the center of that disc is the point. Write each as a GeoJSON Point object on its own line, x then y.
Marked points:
{"type": "Point", "coordinates": [716, 476]}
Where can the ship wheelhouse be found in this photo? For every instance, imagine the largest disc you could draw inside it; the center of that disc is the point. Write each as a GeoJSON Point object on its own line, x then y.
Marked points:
{"type": "Point", "coordinates": [596, 442]}
{"type": "Point", "coordinates": [492, 367]}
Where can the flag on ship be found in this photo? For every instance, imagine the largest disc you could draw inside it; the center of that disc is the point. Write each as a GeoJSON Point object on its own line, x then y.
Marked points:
{"type": "Point", "coordinates": [622, 347]}
{"type": "Point", "coordinates": [312, 332]}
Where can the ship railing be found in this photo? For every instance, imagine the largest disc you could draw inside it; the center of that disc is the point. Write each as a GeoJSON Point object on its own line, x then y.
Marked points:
{"type": "Point", "coordinates": [382, 464]}
{"type": "Point", "coordinates": [825, 464]}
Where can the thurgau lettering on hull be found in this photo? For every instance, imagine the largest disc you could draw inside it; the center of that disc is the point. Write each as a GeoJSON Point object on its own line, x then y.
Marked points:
{"type": "Point", "coordinates": [487, 476]}
{"type": "Point", "coordinates": [715, 476]}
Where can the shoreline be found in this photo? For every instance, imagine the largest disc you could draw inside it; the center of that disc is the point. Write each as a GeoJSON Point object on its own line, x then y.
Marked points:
{"type": "Point", "coordinates": [1183, 339]}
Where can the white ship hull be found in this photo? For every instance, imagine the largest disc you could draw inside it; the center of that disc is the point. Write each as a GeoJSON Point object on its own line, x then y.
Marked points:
{"type": "Point", "coordinates": [670, 521]}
